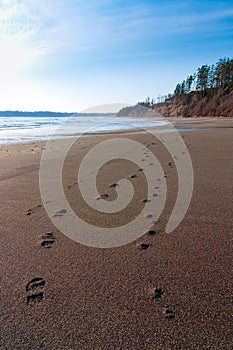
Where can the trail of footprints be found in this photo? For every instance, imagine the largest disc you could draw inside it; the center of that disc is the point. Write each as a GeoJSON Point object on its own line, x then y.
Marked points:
{"type": "Point", "coordinates": [35, 287]}
{"type": "Point", "coordinates": [158, 292]}
{"type": "Point", "coordinates": [168, 311]}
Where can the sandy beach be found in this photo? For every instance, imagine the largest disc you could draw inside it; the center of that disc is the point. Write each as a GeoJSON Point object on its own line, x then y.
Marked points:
{"type": "Point", "coordinates": [163, 291]}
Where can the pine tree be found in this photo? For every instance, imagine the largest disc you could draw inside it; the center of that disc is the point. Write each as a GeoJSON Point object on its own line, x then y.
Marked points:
{"type": "Point", "coordinates": [203, 79]}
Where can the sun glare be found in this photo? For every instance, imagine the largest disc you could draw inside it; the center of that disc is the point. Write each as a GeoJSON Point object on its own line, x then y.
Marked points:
{"type": "Point", "coordinates": [17, 27]}
{"type": "Point", "coordinates": [14, 56]}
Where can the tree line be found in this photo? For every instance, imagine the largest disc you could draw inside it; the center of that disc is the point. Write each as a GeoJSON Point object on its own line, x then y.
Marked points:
{"type": "Point", "coordinates": [207, 77]}
{"type": "Point", "coordinates": [205, 81]}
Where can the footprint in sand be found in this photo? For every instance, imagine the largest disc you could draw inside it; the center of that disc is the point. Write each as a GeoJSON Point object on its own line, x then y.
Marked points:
{"type": "Point", "coordinates": [149, 216]}
{"type": "Point", "coordinates": [151, 233]}
{"type": "Point", "coordinates": [47, 240]}
{"type": "Point", "coordinates": [157, 293]}
{"type": "Point", "coordinates": [146, 200]}
{"type": "Point", "coordinates": [34, 290]}
{"type": "Point", "coordinates": [32, 210]}
{"type": "Point", "coordinates": [113, 185]}
{"type": "Point", "coordinates": [133, 176]}
{"type": "Point", "coordinates": [168, 312]}
{"type": "Point", "coordinates": [60, 213]}
{"type": "Point", "coordinates": [143, 246]}
{"type": "Point", "coordinates": [103, 196]}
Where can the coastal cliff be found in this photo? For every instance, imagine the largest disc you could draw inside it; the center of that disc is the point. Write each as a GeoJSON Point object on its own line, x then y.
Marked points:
{"type": "Point", "coordinates": [215, 104]}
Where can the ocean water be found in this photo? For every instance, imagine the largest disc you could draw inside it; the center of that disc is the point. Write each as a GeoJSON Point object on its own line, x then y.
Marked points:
{"type": "Point", "coordinates": [27, 129]}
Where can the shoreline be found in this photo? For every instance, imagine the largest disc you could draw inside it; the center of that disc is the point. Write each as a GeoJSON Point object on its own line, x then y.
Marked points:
{"type": "Point", "coordinates": [201, 123]}
{"type": "Point", "coordinates": [105, 298]}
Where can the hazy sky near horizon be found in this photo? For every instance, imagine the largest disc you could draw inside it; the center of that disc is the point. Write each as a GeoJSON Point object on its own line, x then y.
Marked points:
{"type": "Point", "coordinates": [71, 55]}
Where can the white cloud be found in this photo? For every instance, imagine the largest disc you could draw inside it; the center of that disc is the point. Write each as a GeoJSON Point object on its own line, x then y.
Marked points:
{"type": "Point", "coordinates": [44, 27]}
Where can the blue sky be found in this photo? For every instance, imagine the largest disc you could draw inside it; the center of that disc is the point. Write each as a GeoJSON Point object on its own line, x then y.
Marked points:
{"type": "Point", "coordinates": [71, 55]}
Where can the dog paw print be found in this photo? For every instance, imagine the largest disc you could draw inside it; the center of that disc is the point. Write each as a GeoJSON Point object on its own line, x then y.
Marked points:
{"type": "Point", "coordinates": [34, 290]}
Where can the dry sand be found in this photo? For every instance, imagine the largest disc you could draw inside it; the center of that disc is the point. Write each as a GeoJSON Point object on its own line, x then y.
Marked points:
{"type": "Point", "coordinates": [89, 298]}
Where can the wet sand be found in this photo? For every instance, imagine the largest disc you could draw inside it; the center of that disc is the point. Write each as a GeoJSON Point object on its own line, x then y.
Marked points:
{"type": "Point", "coordinates": [162, 291]}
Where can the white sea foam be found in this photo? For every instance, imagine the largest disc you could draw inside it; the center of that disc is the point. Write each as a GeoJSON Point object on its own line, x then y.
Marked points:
{"type": "Point", "coordinates": [27, 129]}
